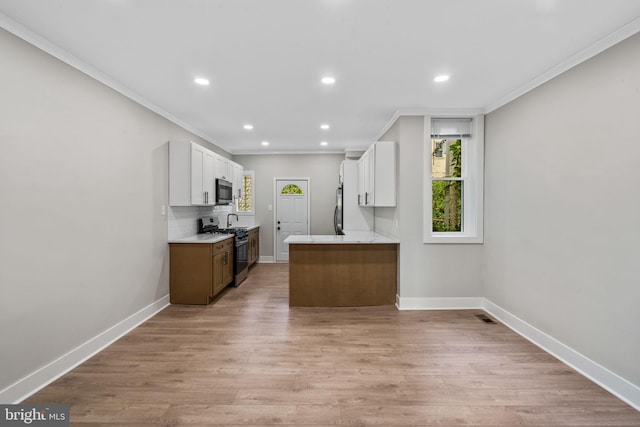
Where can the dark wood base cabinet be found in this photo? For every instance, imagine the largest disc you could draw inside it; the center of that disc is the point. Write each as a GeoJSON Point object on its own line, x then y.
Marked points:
{"type": "Point", "coordinates": [254, 245]}
{"type": "Point", "coordinates": [342, 275]}
{"type": "Point", "coordinates": [199, 271]}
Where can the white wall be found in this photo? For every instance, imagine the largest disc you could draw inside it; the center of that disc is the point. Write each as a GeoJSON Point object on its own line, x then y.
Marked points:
{"type": "Point", "coordinates": [562, 205]}
{"type": "Point", "coordinates": [427, 271]}
{"type": "Point", "coordinates": [323, 169]}
{"type": "Point", "coordinates": [83, 176]}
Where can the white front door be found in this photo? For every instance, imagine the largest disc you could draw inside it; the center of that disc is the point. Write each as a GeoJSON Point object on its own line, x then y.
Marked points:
{"type": "Point", "coordinates": [292, 213]}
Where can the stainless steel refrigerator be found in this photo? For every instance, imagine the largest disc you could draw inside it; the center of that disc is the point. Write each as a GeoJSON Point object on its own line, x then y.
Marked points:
{"type": "Point", "coordinates": [348, 215]}
{"type": "Point", "coordinates": [338, 214]}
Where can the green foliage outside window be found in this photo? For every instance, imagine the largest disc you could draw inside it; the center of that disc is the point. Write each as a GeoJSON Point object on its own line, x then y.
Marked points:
{"type": "Point", "coordinates": [447, 195]}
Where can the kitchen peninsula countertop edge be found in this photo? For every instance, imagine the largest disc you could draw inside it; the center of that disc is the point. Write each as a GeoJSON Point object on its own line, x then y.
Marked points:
{"type": "Point", "coordinates": [350, 237]}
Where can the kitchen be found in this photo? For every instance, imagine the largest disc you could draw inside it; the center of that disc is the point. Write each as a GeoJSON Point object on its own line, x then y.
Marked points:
{"type": "Point", "coordinates": [87, 168]}
{"type": "Point", "coordinates": [198, 180]}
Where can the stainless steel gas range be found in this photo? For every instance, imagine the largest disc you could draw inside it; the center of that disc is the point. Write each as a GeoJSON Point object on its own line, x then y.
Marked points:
{"type": "Point", "coordinates": [241, 251]}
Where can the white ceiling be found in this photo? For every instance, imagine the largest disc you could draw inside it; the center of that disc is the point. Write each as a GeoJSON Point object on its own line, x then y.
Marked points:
{"type": "Point", "coordinates": [265, 58]}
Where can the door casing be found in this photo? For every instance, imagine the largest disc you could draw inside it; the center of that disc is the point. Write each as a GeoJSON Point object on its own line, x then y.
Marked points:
{"type": "Point", "coordinates": [275, 209]}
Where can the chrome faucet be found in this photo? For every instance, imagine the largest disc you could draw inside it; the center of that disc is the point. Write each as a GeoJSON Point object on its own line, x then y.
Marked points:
{"type": "Point", "coordinates": [229, 221]}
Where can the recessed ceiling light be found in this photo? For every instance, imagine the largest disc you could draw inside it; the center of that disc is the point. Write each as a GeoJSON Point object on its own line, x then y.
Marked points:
{"type": "Point", "coordinates": [201, 81]}
{"type": "Point", "coordinates": [248, 126]}
{"type": "Point", "coordinates": [265, 143]}
{"type": "Point", "coordinates": [324, 143]}
{"type": "Point", "coordinates": [441, 78]}
{"type": "Point", "coordinates": [328, 80]}
{"type": "Point", "coordinates": [324, 126]}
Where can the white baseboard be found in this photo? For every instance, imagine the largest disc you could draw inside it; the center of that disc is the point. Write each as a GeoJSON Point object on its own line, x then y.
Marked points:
{"type": "Point", "coordinates": [44, 376]}
{"type": "Point", "coordinates": [265, 259]}
{"type": "Point", "coordinates": [597, 373]}
{"type": "Point", "coordinates": [438, 303]}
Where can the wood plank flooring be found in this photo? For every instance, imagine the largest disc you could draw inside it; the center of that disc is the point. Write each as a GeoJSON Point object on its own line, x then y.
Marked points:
{"type": "Point", "coordinates": [249, 359]}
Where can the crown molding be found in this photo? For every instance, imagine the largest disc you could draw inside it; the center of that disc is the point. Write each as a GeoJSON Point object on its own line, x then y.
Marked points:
{"type": "Point", "coordinates": [589, 52]}
{"type": "Point", "coordinates": [57, 52]}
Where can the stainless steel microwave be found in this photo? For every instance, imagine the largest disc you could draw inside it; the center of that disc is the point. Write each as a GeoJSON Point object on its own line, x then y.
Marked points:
{"type": "Point", "coordinates": [224, 192]}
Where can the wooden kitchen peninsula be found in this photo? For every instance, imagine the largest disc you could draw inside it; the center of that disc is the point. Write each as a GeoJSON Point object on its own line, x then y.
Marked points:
{"type": "Point", "coordinates": [357, 269]}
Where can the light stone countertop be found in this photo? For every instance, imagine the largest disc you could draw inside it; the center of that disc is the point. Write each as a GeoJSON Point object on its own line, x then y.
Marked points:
{"type": "Point", "coordinates": [208, 237]}
{"type": "Point", "coordinates": [350, 237]}
{"type": "Point", "coordinates": [202, 238]}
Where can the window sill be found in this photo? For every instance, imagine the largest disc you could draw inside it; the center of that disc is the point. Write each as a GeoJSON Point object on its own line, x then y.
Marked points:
{"type": "Point", "coordinates": [452, 238]}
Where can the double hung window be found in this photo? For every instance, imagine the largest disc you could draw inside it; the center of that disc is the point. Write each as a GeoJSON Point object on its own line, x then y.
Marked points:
{"type": "Point", "coordinates": [245, 204]}
{"type": "Point", "coordinates": [453, 188]}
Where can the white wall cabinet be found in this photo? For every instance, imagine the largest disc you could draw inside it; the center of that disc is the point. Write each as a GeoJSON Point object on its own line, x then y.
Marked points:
{"type": "Point", "coordinates": [238, 173]}
{"type": "Point", "coordinates": [202, 181]}
{"type": "Point", "coordinates": [191, 179]}
{"type": "Point", "coordinates": [377, 175]}
{"type": "Point", "coordinates": [193, 171]}
{"type": "Point", "coordinates": [223, 168]}
{"type": "Point", "coordinates": [364, 185]}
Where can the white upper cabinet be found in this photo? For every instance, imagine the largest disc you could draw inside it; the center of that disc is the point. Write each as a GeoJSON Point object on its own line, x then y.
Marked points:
{"type": "Point", "coordinates": [191, 174]}
{"type": "Point", "coordinates": [202, 181]}
{"type": "Point", "coordinates": [377, 175]}
{"type": "Point", "coordinates": [363, 178]}
{"type": "Point", "coordinates": [223, 168]}
{"type": "Point", "coordinates": [238, 173]}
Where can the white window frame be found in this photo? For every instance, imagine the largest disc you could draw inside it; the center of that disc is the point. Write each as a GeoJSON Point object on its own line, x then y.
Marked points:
{"type": "Point", "coordinates": [473, 177]}
{"type": "Point", "coordinates": [252, 212]}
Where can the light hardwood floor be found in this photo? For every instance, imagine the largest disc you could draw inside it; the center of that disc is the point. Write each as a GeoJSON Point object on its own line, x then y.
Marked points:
{"type": "Point", "coordinates": [249, 359]}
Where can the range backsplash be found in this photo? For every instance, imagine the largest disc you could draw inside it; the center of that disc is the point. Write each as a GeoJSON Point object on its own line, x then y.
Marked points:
{"type": "Point", "coordinates": [182, 219]}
